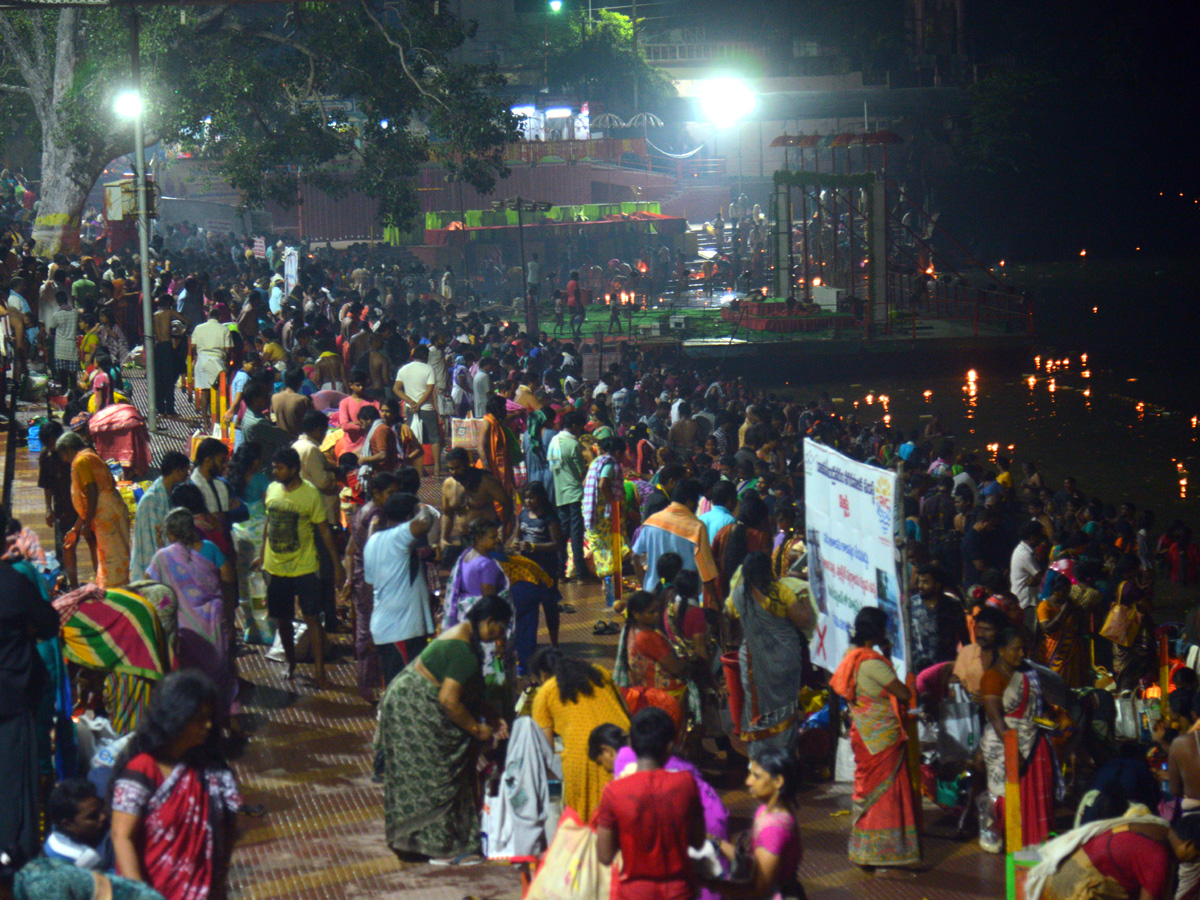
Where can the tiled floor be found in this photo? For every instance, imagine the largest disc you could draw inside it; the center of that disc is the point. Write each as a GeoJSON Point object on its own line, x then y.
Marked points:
{"type": "Point", "coordinates": [308, 762]}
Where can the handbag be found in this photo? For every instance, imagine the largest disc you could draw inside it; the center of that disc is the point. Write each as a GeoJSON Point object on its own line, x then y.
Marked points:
{"type": "Point", "coordinates": [571, 868]}
{"type": "Point", "coordinates": [1122, 624]}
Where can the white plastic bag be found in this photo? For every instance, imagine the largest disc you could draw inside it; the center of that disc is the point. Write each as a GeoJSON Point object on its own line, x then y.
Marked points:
{"type": "Point", "coordinates": [959, 728]}
{"type": "Point", "coordinates": [1127, 725]}
{"type": "Point", "coordinates": [303, 645]}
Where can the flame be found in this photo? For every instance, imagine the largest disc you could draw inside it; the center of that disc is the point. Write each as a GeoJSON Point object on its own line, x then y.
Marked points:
{"type": "Point", "coordinates": [1087, 392]}
{"type": "Point", "coordinates": [870, 399]}
{"type": "Point", "coordinates": [1052, 387]}
{"type": "Point", "coordinates": [887, 420]}
{"type": "Point", "coordinates": [929, 394]}
{"type": "Point", "coordinates": [817, 281]}
{"type": "Point", "coordinates": [929, 271]}
{"type": "Point", "coordinates": [1086, 373]}
{"type": "Point", "coordinates": [1031, 381]}
{"type": "Point", "coordinates": [1154, 692]}
{"type": "Point", "coordinates": [1083, 359]}
{"type": "Point", "coordinates": [1141, 407]}
{"type": "Point", "coordinates": [972, 376]}
{"type": "Point", "coordinates": [1002, 264]}
{"type": "Point", "coordinates": [1095, 309]}
{"type": "Point", "coordinates": [1037, 362]}
{"type": "Point", "coordinates": [642, 267]}
{"type": "Point", "coordinates": [1083, 253]}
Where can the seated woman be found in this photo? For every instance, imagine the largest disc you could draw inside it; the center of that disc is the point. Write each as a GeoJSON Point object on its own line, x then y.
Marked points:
{"type": "Point", "coordinates": [430, 717]}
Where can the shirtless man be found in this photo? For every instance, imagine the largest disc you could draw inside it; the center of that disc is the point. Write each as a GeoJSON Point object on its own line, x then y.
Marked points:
{"type": "Point", "coordinates": [379, 369]}
{"type": "Point", "coordinates": [470, 494]}
{"type": "Point", "coordinates": [1183, 777]}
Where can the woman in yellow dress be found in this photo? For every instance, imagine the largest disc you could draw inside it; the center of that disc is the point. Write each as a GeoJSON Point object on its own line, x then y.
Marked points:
{"type": "Point", "coordinates": [575, 697]}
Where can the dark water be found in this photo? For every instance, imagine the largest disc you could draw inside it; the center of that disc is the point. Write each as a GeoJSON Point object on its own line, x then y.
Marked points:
{"type": "Point", "coordinates": [1068, 414]}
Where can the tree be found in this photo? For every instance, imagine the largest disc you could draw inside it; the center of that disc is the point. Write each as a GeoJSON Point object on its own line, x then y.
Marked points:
{"type": "Point", "coordinates": [596, 60]}
{"type": "Point", "coordinates": [252, 88]}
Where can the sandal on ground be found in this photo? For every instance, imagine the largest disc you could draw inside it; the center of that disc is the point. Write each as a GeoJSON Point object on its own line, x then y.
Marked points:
{"type": "Point", "coordinates": [465, 859]}
{"type": "Point", "coordinates": [566, 608]}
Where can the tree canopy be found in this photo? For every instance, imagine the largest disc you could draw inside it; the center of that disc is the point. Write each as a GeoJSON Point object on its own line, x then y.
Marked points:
{"type": "Point", "coordinates": [596, 60]}
{"type": "Point", "coordinates": [260, 90]}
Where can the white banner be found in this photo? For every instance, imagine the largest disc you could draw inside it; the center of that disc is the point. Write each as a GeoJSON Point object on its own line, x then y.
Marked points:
{"type": "Point", "coordinates": [852, 518]}
{"type": "Point", "coordinates": [291, 269]}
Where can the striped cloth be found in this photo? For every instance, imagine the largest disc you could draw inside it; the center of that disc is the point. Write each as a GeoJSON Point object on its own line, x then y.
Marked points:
{"type": "Point", "coordinates": [120, 633]}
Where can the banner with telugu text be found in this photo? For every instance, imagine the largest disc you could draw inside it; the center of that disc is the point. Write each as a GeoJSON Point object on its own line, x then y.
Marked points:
{"type": "Point", "coordinates": [852, 519]}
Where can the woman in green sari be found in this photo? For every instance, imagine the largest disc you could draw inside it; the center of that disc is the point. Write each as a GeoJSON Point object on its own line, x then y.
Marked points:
{"type": "Point", "coordinates": [431, 721]}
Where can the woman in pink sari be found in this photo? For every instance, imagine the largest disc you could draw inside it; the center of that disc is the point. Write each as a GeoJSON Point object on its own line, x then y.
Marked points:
{"type": "Point", "coordinates": [883, 827]}
{"type": "Point", "coordinates": [205, 585]}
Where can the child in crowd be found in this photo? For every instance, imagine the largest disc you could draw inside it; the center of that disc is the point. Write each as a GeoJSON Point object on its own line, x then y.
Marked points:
{"type": "Point", "coordinates": [78, 821]}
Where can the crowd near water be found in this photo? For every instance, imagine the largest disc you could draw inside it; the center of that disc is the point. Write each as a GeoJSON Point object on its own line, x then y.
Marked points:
{"type": "Point", "coordinates": [382, 454]}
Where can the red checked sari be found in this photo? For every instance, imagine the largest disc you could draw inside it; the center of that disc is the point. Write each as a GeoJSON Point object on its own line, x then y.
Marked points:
{"type": "Point", "coordinates": [883, 828]}
{"type": "Point", "coordinates": [186, 822]}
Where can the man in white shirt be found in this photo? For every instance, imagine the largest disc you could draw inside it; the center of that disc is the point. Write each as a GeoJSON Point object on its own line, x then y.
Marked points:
{"type": "Point", "coordinates": [212, 341]}
{"type": "Point", "coordinates": [1025, 570]}
{"type": "Point", "coordinates": [482, 386]}
{"type": "Point", "coordinates": [416, 387]}
{"type": "Point", "coordinates": [533, 276]}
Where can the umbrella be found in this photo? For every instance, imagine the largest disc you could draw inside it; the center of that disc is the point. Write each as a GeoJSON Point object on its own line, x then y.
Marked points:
{"type": "Point", "coordinates": [607, 120]}
{"type": "Point", "coordinates": [785, 140]}
{"type": "Point", "coordinates": [644, 120]}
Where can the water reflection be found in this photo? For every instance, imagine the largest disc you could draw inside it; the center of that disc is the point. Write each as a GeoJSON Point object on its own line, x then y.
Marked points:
{"type": "Point", "coordinates": [1074, 420]}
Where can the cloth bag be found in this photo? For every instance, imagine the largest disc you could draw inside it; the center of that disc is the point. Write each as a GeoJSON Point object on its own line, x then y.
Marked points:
{"type": "Point", "coordinates": [571, 869]}
{"type": "Point", "coordinates": [1122, 624]}
{"type": "Point", "coordinates": [959, 729]}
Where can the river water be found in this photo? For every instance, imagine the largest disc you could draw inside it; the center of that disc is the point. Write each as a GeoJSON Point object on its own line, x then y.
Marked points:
{"type": "Point", "coordinates": [1067, 413]}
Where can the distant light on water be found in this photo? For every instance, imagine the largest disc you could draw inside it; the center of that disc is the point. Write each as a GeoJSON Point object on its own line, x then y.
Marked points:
{"type": "Point", "coordinates": [1031, 381]}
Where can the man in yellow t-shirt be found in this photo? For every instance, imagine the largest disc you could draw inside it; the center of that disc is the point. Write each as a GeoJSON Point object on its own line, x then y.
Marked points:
{"type": "Point", "coordinates": [295, 511]}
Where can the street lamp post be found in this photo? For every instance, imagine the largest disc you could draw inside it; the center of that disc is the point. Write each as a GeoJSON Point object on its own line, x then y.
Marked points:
{"type": "Point", "coordinates": [520, 204]}
{"type": "Point", "coordinates": [129, 105]}
{"type": "Point", "coordinates": [726, 102]}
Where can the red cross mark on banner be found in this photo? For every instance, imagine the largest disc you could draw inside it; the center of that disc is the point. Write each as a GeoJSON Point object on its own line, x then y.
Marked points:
{"type": "Point", "coordinates": [821, 632]}
{"type": "Point", "coordinates": [844, 503]}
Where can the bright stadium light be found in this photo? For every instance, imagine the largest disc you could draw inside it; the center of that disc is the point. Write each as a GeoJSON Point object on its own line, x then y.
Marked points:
{"type": "Point", "coordinates": [555, 5]}
{"type": "Point", "coordinates": [128, 104]}
{"type": "Point", "coordinates": [726, 101]}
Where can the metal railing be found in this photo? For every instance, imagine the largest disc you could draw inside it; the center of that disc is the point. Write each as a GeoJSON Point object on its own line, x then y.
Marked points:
{"type": "Point", "coordinates": [989, 309]}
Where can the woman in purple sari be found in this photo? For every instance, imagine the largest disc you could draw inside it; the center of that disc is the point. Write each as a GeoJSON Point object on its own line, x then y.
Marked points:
{"type": "Point", "coordinates": [204, 583]}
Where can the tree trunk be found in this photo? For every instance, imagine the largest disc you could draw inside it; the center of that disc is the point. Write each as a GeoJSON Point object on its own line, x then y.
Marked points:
{"type": "Point", "coordinates": [64, 190]}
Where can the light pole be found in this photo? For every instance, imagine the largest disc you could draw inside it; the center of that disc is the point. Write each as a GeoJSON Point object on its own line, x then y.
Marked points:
{"type": "Point", "coordinates": [520, 204]}
{"type": "Point", "coordinates": [128, 104]}
{"type": "Point", "coordinates": [725, 102]}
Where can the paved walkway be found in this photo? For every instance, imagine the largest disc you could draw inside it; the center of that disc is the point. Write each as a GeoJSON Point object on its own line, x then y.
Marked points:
{"type": "Point", "coordinates": [309, 757]}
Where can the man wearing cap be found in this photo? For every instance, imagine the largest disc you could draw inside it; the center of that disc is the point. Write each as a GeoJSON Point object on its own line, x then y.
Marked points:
{"type": "Point", "coordinates": [275, 301]}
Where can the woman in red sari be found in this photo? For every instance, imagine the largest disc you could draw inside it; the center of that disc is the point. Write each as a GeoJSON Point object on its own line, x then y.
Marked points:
{"type": "Point", "coordinates": [883, 828]}
{"type": "Point", "coordinates": [174, 798]}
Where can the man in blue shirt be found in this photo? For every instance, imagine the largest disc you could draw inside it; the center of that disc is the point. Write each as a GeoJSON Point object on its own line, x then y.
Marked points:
{"type": "Point", "coordinates": [723, 496]}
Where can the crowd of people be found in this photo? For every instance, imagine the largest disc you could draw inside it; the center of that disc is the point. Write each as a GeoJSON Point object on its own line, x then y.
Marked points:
{"type": "Point", "coordinates": [678, 493]}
